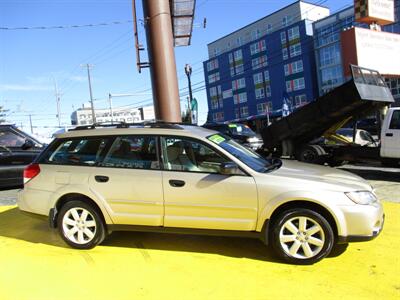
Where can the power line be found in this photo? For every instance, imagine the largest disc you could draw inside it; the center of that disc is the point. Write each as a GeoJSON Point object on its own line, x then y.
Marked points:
{"type": "Point", "coordinates": [67, 26]}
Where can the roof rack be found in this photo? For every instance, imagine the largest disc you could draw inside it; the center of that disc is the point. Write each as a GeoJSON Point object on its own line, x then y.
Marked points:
{"type": "Point", "coordinates": [119, 124]}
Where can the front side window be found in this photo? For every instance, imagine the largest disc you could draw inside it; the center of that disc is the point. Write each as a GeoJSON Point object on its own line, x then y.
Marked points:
{"type": "Point", "coordinates": [246, 156]}
{"type": "Point", "coordinates": [132, 152]}
{"type": "Point", "coordinates": [395, 122]}
{"type": "Point", "coordinates": [79, 151]}
{"type": "Point", "coordinates": [181, 154]}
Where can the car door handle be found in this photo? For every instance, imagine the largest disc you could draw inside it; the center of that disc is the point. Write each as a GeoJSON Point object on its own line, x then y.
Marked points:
{"type": "Point", "coordinates": [100, 178]}
{"type": "Point", "coordinates": [389, 134]}
{"type": "Point", "coordinates": [176, 183]}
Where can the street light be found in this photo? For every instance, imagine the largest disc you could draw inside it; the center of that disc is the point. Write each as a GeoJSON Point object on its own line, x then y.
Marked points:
{"type": "Point", "coordinates": [188, 71]}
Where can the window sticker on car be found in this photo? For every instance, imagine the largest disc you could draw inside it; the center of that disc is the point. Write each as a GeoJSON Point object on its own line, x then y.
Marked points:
{"type": "Point", "coordinates": [232, 125]}
{"type": "Point", "coordinates": [216, 138]}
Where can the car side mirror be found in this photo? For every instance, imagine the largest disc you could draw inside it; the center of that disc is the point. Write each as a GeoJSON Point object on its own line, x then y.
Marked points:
{"type": "Point", "coordinates": [229, 168]}
{"type": "Point", "coordinates": [27, 145]}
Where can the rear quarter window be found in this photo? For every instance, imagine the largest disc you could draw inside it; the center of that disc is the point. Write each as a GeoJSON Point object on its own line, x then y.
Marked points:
{"type": "Point", "coordinates": [77, 151]}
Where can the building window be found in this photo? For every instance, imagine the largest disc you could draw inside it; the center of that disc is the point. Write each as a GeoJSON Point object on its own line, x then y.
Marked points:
{"type": "Point", "coordinates": [240, 98]}
{"type": "Point", "coordinates": [212, 65]}
{"type": "Point", "coordinates": [283, 37]}
{"type": "Point", "coordinates": [255, 34]}
{"type": "Point", "coordinates": [284, 54]}
{"type": "Point", "coordinates": [260, 93]}
{"type": "Point", "coordinates": [293, 68]}
{"type": "Point", "coordinates": [295, 50]}
{"type": "Point", "coordinates": [289, 86]}
{"type": "Point", "coordinates": [269, 28]}
{"type": "Point", "coordinates": [257, 47]}
{"type": "Point", "coordinates": [287, 20]}
{"type": "Point", "coordinates": [216, 97]}
{"type": "Point", "coordinates": [213, 77]}
{"type": "Point", "coordinates": [298, 84]}
{"type": "Point", "coordinates": [237, 115]}
{"type": "Point", "coordinates": [218, 117]}
{"type": "Point", "coordinates": [329, 55]}
{"type": "Point", "coordinates": [236, 62]}
{"type": "Point", "coordinates": [268, 90]}
{"type": "Point", "coordinates": [266, 76]}
{"type": "Point", "coordinates": [244, 111]}
{"type": "Point", "coordinates": [258, 78]}
{"type": "Point", "coordinates": [216, 51]}
{"type": "Point", "coordinates": [263, 108]}
{"type": "Point", "coordinates": [259, 62]}
{"type": "Point", "coordinates": [331, 77]}
{"type": "Point", "coordinates": [239, 41]}
{"type": "Point", "coordinates": [293, 33]}
{"type": "Point", "coordinates": [300, 100]}
{"type": "Point", "coordinates": [238, 84]}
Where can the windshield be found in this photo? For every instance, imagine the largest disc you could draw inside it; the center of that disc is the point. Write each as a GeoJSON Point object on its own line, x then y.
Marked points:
{"type": "Point", "coordinates": [240, 129]}
{"type": "Point", "coordinates": [247, 156]}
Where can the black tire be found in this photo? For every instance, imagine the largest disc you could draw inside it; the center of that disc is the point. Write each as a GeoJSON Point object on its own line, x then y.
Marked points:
{"type": "Point", "coordinates": [81, 240]}
{"type": "Point", "coordinates": [302, 242]}
{"type": "Point", "coordinates": [312, 154]}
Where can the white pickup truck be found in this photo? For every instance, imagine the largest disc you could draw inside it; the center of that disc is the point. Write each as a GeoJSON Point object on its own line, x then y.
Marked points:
{"type": "Point", "coordinates": [390, 138]}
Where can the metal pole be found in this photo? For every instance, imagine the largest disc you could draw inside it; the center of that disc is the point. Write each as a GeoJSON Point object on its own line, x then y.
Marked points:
{"type": "Point", "coordinates": [158, 25]}
{"type": "Point", "coordinates": [30, 121]}
{"type": "Point", "coordinates": [91, 94]}
{"type": "Point", "coordinates": [188, 71]}
{"type": "Point", "coordinates": [267, 114]}
{"type": "Point", "coordinates": [111, 107]}
{"type": "Point", "coordinates": [57, 101]}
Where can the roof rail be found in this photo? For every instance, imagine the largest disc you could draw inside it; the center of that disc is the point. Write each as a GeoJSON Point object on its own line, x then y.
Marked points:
{"type": "Point", "coordinates": [120, 124]}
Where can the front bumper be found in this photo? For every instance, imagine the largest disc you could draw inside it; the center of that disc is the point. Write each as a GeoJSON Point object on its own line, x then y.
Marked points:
{"type": "Point", "coordinates": [363, 222]}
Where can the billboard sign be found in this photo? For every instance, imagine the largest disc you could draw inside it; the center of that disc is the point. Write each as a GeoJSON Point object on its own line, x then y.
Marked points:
{"type": "Point", "coordinates": [374, 11]}
{"type": "Point", "coordinates": [371, 49]}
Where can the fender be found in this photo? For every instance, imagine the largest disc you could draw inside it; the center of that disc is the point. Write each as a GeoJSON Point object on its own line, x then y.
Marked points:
{"type": "Point", "coordinates": [268, 207]}
{"type": "Point", "coordinates": [85, 191]}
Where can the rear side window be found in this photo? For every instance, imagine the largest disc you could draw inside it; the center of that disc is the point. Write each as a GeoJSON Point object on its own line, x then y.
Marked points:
{"type": "Point", "coordinates": [132, 152]}
{"type": "Point", "coordinates": [82, 151]}
{"type": "Point", "coordinates": [395, 122]}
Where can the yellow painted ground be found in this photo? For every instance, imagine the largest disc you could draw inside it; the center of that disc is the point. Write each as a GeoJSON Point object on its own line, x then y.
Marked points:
{"type": "Point", "coordinates": [35, 264]}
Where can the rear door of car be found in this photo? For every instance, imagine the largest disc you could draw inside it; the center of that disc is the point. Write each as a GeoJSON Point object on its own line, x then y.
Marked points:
{"type": "Point", "coordinates": [128, 178]}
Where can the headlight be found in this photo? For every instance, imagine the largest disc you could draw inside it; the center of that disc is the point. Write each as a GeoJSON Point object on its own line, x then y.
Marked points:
{"type": "Point", "coordinates": [363, 198]}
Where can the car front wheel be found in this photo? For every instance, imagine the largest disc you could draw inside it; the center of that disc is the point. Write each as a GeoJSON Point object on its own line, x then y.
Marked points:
{"type": "Point", "coordinates": [80, 225]}
{"type": "Point", "coordinates": [302, 236]}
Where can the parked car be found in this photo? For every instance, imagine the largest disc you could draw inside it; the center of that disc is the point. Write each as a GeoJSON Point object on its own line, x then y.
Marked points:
{"type": "Point", "coordinates": [239, 132]}
{"type": "Point", "coordinates": [17, 150]}
{"type": "Point", "coordinates": [187, 179]}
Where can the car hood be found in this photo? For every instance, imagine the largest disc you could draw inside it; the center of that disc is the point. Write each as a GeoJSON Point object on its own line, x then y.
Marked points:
{"type": "Point", "coordinates": [321, 177]}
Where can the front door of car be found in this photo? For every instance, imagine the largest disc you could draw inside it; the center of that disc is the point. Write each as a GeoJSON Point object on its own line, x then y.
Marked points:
{"type": "Point", "coordinates": [129, 180]}
{"type": "Point", "coordinates": [197, 195]}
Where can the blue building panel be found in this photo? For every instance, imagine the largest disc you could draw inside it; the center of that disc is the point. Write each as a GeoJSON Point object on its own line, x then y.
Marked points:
{"type": "Point", "coordinates": [266, 84]}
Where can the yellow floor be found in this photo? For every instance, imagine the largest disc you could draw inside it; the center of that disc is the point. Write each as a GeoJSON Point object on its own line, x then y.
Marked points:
{"type": "Point", "coordinates": [36, 264]}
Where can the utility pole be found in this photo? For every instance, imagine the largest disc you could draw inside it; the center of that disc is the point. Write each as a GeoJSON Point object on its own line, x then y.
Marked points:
{"type": "Point", "coordinates": [30, 121]}
{"type": "Point", "coordinates": [57, 101]}
{"type": "Point", "coordinates": [111, 107]}
{"type": "Point", "coordinates": [160, 43]}
{"type": "Point", "coordinates": [188, 71]}
{"type": "Point", "coordinates": [90, 92]}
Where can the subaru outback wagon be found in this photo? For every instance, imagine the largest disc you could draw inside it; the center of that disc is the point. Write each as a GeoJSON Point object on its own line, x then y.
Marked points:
{"type": "Point", "coordinates": [187, 179]}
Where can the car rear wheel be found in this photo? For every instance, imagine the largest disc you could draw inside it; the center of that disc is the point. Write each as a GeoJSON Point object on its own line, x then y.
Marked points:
{"type": "Point", "coordinates": [302, 236]}
{"type": "Point", "coordinates": [80, 225]}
